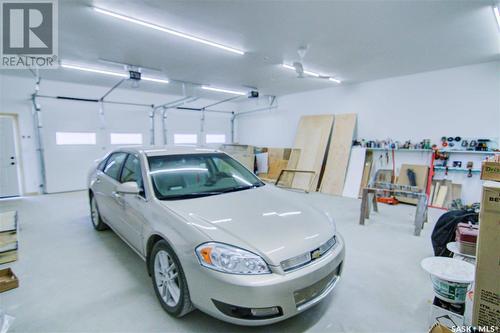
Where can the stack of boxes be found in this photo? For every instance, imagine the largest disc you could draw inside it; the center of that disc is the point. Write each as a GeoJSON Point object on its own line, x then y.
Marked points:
{"type": "Point", "coordinates": [8, 237]}
{"type": "Point", "coordinates": [486, 309]}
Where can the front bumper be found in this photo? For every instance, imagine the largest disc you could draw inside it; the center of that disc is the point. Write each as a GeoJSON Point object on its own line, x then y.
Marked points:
{"type": "Point", "coordinates": [292, 292]}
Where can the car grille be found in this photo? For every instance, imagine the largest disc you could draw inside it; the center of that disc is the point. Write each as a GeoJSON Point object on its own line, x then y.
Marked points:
{"type": "Point", "coordinates": [308, 257]}
{"type": "Point", "coordinates": [307, 294]}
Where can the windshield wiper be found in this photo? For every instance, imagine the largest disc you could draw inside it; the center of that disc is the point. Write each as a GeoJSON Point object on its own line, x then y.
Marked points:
{"type": "Point", "coordinates": [239, 188]}
{"type": "Point", "coordinates": [208, 193]}
{"type": "Point", "coordinates": [190, 195]}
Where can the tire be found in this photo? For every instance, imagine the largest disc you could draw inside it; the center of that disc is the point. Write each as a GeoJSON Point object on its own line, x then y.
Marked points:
{"type": "Point", "coordinates": [95, 217]}
{"type": "Point", "coordinates": [172, 291]}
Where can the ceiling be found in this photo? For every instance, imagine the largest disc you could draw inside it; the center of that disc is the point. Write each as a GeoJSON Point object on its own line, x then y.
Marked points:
{"type": "Point", "coordinates": [355, 41]}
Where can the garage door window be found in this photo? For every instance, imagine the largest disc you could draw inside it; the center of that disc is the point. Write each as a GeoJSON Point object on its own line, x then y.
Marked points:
{"type": "Point", "coordinates": [185, 139]}
{"type": "Point", "coordinates": [114, 165]}
{"type": "Point", "coordinates": [215, 138]}
{"type": "Point", "coordinates": [126, 138]}
{"type": "Point", "coordinates": [75, 138]}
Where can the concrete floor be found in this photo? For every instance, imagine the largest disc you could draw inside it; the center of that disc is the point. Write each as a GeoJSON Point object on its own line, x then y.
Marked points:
{"type": "Point", "coordinates": [73, 279]}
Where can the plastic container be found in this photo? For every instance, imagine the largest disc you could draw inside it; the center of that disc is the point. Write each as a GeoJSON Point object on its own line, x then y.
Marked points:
{"type": "Point", "coordinates": [451, 278]}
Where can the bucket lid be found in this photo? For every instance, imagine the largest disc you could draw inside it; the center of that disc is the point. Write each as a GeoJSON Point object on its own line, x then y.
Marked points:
{"type": "Point", "coordinates": [449, 269]}
{"type": "Point", "coordinates": [453, 247]}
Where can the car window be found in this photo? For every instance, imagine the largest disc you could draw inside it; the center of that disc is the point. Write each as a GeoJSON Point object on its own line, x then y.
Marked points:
{"type": "Point", "coordinates": [102, 164]}
{"type": "Point", "coordinates": [132, 171]}
{"type": "Point", "coordinates": [195, 175]}
{"type": "Point", "coordinates": [114, 165]}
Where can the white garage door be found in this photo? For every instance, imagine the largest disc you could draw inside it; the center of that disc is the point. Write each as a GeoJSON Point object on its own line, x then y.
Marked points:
{"type": "Point", "coordinates": [73, 138]}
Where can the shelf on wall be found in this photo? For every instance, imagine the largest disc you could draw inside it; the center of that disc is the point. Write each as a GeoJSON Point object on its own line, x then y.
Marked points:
{"type": "Point", "coordinates": [403, 150]}
{"type": "Point", "coordinates": [467, 151]}
{"type": "Point", "coordinates": [456, 169]}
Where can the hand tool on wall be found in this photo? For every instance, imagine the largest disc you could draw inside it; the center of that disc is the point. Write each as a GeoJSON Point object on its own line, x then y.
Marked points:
{"type": "Point", "coordinates": [412, 177]}
{"type": "Point", "coordinates": [469, 167]}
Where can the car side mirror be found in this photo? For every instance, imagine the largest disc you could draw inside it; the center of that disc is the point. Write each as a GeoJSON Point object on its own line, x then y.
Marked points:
{"type": "Point", "coordinates": [128, 188]}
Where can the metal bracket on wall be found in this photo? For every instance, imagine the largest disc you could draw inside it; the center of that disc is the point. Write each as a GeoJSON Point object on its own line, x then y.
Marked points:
{"type": "Point", "coordinates": [37, 122]}
{"type": "Point", "coordinates": [273, 104]}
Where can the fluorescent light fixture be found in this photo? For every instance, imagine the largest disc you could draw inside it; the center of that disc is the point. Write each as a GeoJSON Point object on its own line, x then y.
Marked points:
{"type": "Point", "coordinates": [106, 72]}
{"type": "Point", "coordinates": [224, 90]}
{"type": "Point", "coordinates": [334, 80]}
{"type": "Point", "coordinates": [168, 31]}
{"type": "Point", "coordinates": [312, 73]}
{"type": "Point", "coordinates": [93, 70]}
{"type": "Point", "coordinates": [497, 15]}
{"type": "Point", "coordinates": [146, 78]}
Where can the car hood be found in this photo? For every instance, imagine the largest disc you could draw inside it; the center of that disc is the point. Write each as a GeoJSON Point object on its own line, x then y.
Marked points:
{"type": "Point", "coordinates": [275, 223]}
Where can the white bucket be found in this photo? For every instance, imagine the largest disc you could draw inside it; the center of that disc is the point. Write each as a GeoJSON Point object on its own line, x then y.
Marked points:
{"type": "Point", "coordinates": [451, 278]}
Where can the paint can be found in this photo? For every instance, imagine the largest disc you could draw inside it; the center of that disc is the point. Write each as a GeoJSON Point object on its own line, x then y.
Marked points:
{"type": "Point", "coordinates": [451, 278]}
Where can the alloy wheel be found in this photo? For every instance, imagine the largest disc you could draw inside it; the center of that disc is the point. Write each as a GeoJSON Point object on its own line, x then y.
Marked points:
{"type": "Point", "coordinates": [167, 278]}
{"type": "Point", "coordinates": [94, 213]}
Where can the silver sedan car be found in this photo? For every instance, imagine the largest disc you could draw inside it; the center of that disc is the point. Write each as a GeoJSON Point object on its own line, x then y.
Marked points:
{"type": "Point", "coordinates": [215, 237]}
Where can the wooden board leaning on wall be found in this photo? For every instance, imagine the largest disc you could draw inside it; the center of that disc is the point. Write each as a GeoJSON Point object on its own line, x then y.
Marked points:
{"type": "Point", "coordinates": [311, 138]}
{"type": "Point", "coordinates": [339, 151]}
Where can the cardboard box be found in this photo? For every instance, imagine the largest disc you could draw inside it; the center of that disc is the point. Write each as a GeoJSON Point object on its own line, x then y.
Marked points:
{"type": "Point", "coordinates": [445, 317]}
{"type": "Point", "coordinates": [8, 280]}
{"type": "Point", "coordinates": [490, 171]}
{"type": "Point", "coordinates": [486, 310]}
{"type": "Point", "coordinates": [279, 159]}
{"type": "Point", "coordinates": [242, 153]}
{"type": "Point", "coordinates": [438, 328]}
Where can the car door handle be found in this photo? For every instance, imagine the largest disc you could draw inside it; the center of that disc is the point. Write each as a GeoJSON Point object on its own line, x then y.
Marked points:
{"type": "Point", "coordinates": [116, 195]}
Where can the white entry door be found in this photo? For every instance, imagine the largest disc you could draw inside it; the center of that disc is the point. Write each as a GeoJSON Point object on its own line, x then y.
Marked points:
{"type": "Point", "coordinates": [9, 177]}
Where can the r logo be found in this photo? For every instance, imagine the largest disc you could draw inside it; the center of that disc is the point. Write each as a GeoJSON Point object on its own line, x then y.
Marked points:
{"type": "Point", "coordinates": [28, 28]}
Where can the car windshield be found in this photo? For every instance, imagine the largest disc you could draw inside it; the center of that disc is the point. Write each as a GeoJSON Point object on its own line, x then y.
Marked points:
{"type": "Point", "coordinates": [196, 175]}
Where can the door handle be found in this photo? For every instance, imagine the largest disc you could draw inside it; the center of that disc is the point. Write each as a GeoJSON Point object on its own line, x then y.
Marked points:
{"type": "Point", "coordinates": [116, 195]}
{"type": "Point", "coordinates": [12, 163]}
{"type": "Point", "coordinates": [98, 180]}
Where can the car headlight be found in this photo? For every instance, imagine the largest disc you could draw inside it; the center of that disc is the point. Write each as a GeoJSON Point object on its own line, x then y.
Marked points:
{"type": "Point", "coordinates": [230, 259]}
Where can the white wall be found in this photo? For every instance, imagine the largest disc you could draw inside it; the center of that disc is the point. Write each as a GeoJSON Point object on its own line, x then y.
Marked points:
{"type": "Point", "coordinates": [462, 101]}
{"type": "Point", "coordinates": [67, 165]}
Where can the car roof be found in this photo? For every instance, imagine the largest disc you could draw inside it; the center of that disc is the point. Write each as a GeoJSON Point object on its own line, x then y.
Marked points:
{"type": "Point", "coordinates": [168, 150]}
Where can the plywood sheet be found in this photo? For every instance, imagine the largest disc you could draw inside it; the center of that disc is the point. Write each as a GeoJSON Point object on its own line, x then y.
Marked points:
{"type": "Point", "coordinates": [312, 138]}
{"type": "Point", "coordinates": [279, 159]}
{"type": "Point", "coordinates": [355, 172]}
{"type": "Point", "coordinates": [441, 196]}
{"type": "Point", "coordinates": [242, 153]}
{"type": "Point", "coordinates": [456, 191]}
{"type": "Point", "coordinates": [338, 154]}
{"type": "Point", "coordinates": [436, 192]}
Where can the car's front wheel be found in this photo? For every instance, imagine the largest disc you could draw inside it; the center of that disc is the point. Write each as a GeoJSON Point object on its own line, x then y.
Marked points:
{"type": "Point", "coordinates": [169, 281]}
{"type": "Point", "coordinates": [95, 217]}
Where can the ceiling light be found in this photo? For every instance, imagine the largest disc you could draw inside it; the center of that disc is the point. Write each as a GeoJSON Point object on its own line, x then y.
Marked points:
{"type": "Point", "coordinates": [334, 80]}
{"type": "Point", "coordinates": [497, 15]}
{"type": "Point", "coordinates": [106, 72]}
{"type": "Point", "coordinates": [312, 73]}
{"type": "Point", "coordinates": [224, 90]}
{"type": "Point", "coordinates": [93, 70]}
{"type": "Point", "coordinates": [168, 31]}
{"type": "Point", "coordinates": [145, 78]}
